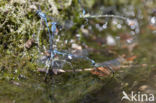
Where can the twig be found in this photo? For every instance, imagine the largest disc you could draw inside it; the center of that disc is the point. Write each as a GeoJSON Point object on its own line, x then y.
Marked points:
{"type": "Point", "coordinates": [103, 16]}
{"type": "Point", "coordinates": [76, 70]}
{"type": "Point", "coordinates": [44, 70]}
{"type": "Point", "coordinates": [80, 70]}
{"type": "Point", "coordinates": [38, 35]}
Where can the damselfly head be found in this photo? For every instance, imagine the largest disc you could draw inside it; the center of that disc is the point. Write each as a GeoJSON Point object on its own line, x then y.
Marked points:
{"type": "Point", "coordinates": [38, 11]}
{"type": "Point", "coordinates": [41, 14]}
{"type": "Point", "coordinates": [53, 23]}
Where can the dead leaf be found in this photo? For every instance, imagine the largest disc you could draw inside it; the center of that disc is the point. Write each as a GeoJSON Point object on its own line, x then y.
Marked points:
{"type": "Point", "coordinates": [29, 43]}
{"type": "Point", "coordinates": [101, 71]}
{"type": "Point", "coordinates": [152, 27]}
{"type": "Point", "coordinates": [131, 58]}
{"type": "Point", "coordinates": [42, 70]}
{"type": "Point", "coordinates": [47, 53]}
{"type": "Point", "coordinates": [104, 70]}
{"type": "Point", "coordinates": [125, 36]}
{"type": "Point", "coordinates": [143, 87]}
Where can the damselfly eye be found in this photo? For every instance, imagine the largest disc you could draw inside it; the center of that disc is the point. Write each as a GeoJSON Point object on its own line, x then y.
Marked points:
{"type": "Point", "coordinates": [53, 23]}
{"type": "Point", "coordinates": [41, 14]}
{"type": "Point", "coordinates": [37, 11]}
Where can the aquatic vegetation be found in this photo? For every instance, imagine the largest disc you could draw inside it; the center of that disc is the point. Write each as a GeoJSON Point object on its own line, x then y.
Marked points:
{"type": "Point", "coordinates": [54, 52]}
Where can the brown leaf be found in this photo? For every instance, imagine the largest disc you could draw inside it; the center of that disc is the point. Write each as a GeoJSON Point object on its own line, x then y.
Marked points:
{"type": "Point", "coordinates": [152, 27]}
{"type": "Point", "coordinates": [104, 70]}
{"type": "Point", "coordinates": [47, 53]}
{"type": "Point", "coordinates": [29, 43]}
{"type": "Point", "coordinates": [131, 58]}
{"type": "Point", "coordinates": [125, 36]}
{"type": "Point", "coordinates": [101, 71]}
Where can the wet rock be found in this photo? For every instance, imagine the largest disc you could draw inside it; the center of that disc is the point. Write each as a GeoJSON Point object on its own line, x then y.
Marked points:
{"type": "Point", "coordinates": [110, 40]}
